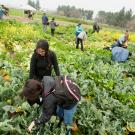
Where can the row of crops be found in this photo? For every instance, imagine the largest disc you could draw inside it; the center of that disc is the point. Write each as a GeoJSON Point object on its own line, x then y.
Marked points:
{"type": "Point", "coordinates": [108, 88]}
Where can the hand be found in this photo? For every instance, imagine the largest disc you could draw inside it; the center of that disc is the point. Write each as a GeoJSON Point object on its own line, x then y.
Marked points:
{"type": "Point", "coordinates": [31, 126]}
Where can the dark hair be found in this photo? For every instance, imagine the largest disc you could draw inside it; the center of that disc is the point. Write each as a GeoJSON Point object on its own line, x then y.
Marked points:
{"type": "Point", "coordinates": [79, 24]}
{"type": "Point", "coordinates": [130, 54]}
{"type": "Point", "coordinates": [32, 89]}
{"type": "Point", "coordinates": [43, 44]}
{"type": "Point", "coordinates": [53, 18]}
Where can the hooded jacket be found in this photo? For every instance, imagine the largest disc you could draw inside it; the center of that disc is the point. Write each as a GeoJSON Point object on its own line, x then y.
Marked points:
{"type": "Point", "coordinates": [55, 93]}
{"type": "Point", "coordinates": [42, 66]}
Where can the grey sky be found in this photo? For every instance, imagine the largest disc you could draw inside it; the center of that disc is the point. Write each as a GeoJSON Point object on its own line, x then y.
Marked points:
{"type": "Point", "coordinates": [95, 5]}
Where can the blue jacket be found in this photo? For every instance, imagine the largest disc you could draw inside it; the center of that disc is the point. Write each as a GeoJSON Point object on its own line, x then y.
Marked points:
{"type": "Point", "coordinates": [79, 29]}
{"type": "Point", "coordinates": [119, 54]}
{"type": "Point", "coordinates": [1, 12]}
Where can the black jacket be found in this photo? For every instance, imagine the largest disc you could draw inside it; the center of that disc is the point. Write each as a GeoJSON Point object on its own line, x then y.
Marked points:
{"type": "Point", "coordinates": [58, 96]}
{"type": "Point", "coordinates": [42, 66]}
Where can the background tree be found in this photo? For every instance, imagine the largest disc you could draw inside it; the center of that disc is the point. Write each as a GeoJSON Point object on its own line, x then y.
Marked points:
{"type": "Point", "coordinates": [37, 5]}
{"type": "Point", "coordinates": [120, 18]}
{"type": "Point", "coordinates": [34, 4]}
{"type": "Point", "coordinates": [31, 3]}
{"type": "Point", "coordinates": [71, 11]}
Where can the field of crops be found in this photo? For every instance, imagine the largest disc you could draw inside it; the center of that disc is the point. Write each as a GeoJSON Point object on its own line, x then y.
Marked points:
{"type": "Point", "coordinates": [107, 87]}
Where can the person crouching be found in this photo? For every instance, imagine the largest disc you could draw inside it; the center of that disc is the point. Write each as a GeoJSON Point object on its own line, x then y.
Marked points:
{"type": "Point", "coordinates": [59, 95]}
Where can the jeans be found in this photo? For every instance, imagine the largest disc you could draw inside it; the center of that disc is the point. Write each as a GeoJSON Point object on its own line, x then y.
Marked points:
{"type": "Point", "coordinates": [66, 114]}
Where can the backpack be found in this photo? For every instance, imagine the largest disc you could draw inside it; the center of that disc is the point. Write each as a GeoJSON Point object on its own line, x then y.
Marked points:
{"type": "Point", "coordinates": [63, 86]}
{"type": "Point", "coordinates": [73, 90]}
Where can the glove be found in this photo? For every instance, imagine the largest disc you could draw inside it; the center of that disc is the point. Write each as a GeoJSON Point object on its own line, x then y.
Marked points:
{"type": "Point", "coordinates": [31, 126]}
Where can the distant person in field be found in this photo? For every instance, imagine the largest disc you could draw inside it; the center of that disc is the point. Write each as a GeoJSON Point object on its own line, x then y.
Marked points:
{"type": "Point", "coordinates": [122, 41]}
{"type": "Point", "coordinates": [53, 25]}
{"type": "Point", "coordinates": [44, 22]}
{"type": "Point", "coordinates": [6, 10]}
{"type": "Point", "coordinates": [96, 27]}
{"type": "Point", "coordinates": [119, 49]}
{"type": "Point", "coordinates": [80, 36]}
{"type": "Point", "coordinates": [43, 61]}
{"type": "Point", "coordinates": [2, 12]}
{"type": "Point", "coordinates": [30, 14]}
{"type": "Point", "coordinates": [57, 96]}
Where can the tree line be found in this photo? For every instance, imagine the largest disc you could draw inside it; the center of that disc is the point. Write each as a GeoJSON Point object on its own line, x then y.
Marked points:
{"type": "Point", "coordinates": [34, 4]}
{"type": "Point", "coordinates": [71, 11]}
{"type": "Point", "coordinates": [121, 18]}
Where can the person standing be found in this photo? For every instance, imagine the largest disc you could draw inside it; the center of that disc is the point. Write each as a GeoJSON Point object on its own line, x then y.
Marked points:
{"type": "Point", "coordinates": [79, 29]}
{"type": "Point", "coordinates": [44, 21]}
{"type": "Point", "coordinates": [53, 25]}
{"type": "Point", "coordinates": [96, 28]}
{"type": "Point", "coordinates": [2, 12]}
{"type": "Point", "coordinates": [43, 61]}
{"type": "Point", "coordinates": [81, 36]}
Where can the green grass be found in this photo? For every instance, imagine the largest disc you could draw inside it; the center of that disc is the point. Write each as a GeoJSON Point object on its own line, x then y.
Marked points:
{"type": "Point", "coordinates": [16, 12]}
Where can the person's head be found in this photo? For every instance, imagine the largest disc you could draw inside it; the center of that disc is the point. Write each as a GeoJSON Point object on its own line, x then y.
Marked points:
{"type": "Point", "coordinates": [53, 19]}
{"type": "Point", "coordinates": [32, 91]}
{"type": "Point", "coordinates": [126, 34]}
{"type": "Point", "coordinates": [79, 24]}
{"type": "Point", "coordinates": [42, 47]}
{"type": "Point", "coordinates": [44, 14]}
{"type": "Point", "coordinates": [2, 6]}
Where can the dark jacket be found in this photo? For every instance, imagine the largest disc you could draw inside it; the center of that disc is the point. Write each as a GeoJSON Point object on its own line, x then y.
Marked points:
{"type": "Point", "coordinates": [53, 24]}
{"type": "Point", "coordinates": [55, 93]}
{"type": "Point", "coordinates": [44, 20]}
{"type": "Point", "coordinates": [42, 66]}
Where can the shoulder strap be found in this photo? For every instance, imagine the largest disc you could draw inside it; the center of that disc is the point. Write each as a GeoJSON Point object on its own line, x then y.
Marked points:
{"type": "Point", "coordinates": [71, 91]}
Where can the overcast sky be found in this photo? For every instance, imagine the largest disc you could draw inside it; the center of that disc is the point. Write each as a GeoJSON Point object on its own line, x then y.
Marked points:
{"type": "Point", "coordinates": [95, 5]}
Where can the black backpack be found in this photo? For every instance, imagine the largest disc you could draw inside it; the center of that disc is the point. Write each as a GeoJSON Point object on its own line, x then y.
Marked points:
{"type": "Point", "coordinates": [72, 89]}
{"type": "Point", "coordinates": [62, 85]}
